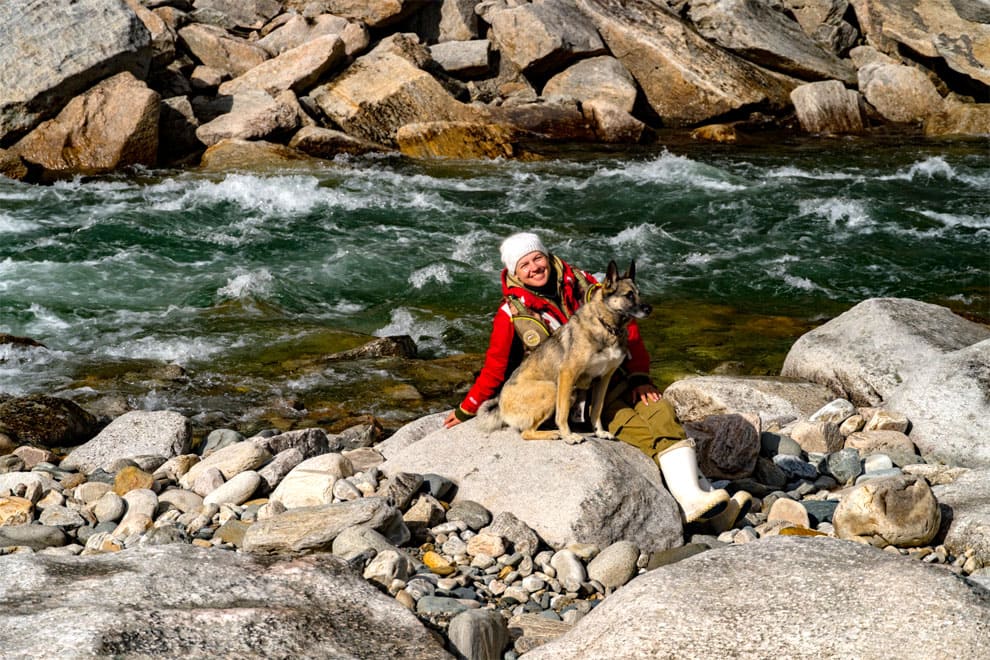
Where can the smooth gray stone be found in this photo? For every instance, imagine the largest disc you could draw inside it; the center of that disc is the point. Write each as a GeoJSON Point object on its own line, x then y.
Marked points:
{"type": "Point", "coordinates": [844, 465]}
{"type": "Point", "coordinates": [32, 536]}
{"type": "Point", "coordinates": [439, 605]}
{"type": "Point", "coordinates": [474, 515]}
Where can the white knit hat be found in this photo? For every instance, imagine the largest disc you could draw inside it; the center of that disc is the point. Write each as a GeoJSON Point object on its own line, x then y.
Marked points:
{"type": "Point", "coordinates": [517, 246]}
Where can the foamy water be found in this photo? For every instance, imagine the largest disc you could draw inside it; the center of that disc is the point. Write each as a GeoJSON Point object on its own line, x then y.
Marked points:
{"type": "Point", "coordinates": [210, 271]}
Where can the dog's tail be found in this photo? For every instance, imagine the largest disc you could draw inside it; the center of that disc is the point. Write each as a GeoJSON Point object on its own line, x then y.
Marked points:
{"type": "Point", "coordinates": [489, 416]}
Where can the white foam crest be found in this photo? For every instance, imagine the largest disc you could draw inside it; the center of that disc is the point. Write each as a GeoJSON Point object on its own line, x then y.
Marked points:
{"type": "Point", "coordinates": [472, 246]}
{"type": "Point", "coordinates": [672, 169]}
{"type": "Point", "coordinates": [433, 273]}
{"type": "Point", "coordinates": [45, 320]}
{"type": "Point", "coordinates": [835, 211]}
{"type": "Point", "coordinates": [426, 332]}
{"type": "Point", "coordinates": [247, 284]}
{"type": "Point", "coordinates": [11, 225]}
{"type": "Point", "coordinates": [697, 259]}
{"type": "Point", "coordinates": [172, 349]}
{"type": "Point", "coordinates": [792, 172]}
{"type": "Point", "coordinates": [794, 281]}
{"type": "Point", "coordinates": [957, 220]}
{"type": "Point", "coordinates": [277, 195]}
{"type": "Point", "coordinates": [930, 168]}
{"type": "Point", "coordinates": [634, 236]}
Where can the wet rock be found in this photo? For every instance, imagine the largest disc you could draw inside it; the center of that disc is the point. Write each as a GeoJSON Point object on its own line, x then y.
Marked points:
{"type": "Point", "coordinates": [457, 139]}
{"type": "Point", "coordinates": [46, 420]}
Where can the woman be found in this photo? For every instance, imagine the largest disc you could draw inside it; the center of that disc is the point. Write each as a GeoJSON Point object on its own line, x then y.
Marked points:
{"type": "Point", "coordinates": [541, 292]}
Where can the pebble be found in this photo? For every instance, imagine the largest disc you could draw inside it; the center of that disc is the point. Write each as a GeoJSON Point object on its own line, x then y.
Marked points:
{"type": "Point", "coordinates": [876, 463]}
{"type": "Point", "coordinates": [878, 474]}
{"type": "Point", "coordinates": [474, 515]}
{"type": "Point", "coordinates": [570, 570]}
{"type": "Point", "coordinates": [615, 565]}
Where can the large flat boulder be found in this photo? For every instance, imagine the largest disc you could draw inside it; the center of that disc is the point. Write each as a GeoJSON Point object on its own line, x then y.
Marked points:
{"type": "Point", "coordinates": [685, 79]}
{"type": "Point", "coordinates": [598, 492]}
{"type": "Point", "coordinates": [773, 399]}
{"type": "Point", "coordinates": [864, 353]}
{"type": "Point", "coordinates": [181, 601]}
{"type": "Point", "coordinates": [820, 597]}
{"type": "Point", "coordinates": [765, 36]}
{"type": "Point", "coordinates": [54, 49]}
{"type": "Point", "coordinates": [111, 126]}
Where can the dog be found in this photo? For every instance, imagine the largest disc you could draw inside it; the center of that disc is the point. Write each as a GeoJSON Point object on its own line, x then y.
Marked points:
{"type": "Point", "coordinates": [586, 350]}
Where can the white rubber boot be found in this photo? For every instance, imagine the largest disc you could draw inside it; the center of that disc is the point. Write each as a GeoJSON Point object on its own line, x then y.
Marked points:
{"type": "Point", "coordinates": [679, 467]}
{"type": "Point", "coordinates": [738, 506]}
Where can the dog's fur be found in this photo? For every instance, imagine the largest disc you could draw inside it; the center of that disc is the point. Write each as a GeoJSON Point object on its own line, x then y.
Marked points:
{"type": "Point", "coordinates": [587, 349]}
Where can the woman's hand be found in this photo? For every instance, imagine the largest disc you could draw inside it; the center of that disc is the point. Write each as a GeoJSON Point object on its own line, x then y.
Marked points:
{"type": "Point", "coordinates": [451, 420]}
{"type": "Point", "coordinates": [646, 393]}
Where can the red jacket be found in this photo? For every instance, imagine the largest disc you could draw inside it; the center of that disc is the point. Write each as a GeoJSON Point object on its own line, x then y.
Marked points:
{"type": "Point", "coordinates": [506, 350]}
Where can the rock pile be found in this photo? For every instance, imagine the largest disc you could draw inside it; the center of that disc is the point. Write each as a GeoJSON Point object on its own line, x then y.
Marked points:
{"type": "Point", "coordinates": [504, 547]}
{"type": "Point", "coordinates": [146, 82]}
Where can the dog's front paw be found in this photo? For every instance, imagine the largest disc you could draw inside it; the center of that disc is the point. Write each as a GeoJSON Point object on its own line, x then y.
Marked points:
{"type": "Point", "coordinates": [604, 435]}
{"type": "Point", "coordinates": [573, 438]}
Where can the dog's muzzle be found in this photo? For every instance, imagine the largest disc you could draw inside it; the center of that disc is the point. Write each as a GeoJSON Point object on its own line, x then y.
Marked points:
{"type": "Point", "coordinates": [642, 311]}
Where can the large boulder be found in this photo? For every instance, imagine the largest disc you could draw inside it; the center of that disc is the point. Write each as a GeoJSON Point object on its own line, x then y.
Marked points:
{"type": "Point", "coordinates": [685, 79]}
{"type": "Point", "coordinates": [598, 492]}
{"type": "Point", "coordinates": [112, 125]}
{"type": "Point", "coordinates": [828, 107]}
{"type": "Point", "coordinates": [902, 94]}
{"type": "Point", "coordinates": [965, 506]}
{"type": "Point", "coordinates": [775, 400]}
{"type": "Point", "coordinates": [250, 14]}
{"type": "Point", "coordinates": [54, 49]}
{"type": "Point", "coordinates": [47, 421]}
{"type": "Point", "coordinates": [163, 433]}
{"type": "Point", "coordinates": [823, 598]}
{"type": "Point", "coordinates": [386, 89]}
{"type": "Point", "coordinates": [765, 36]}
{"type": "Point", "coordinates": [959, 118]}
{"type": "Point", "coordinates": [601, 78]}
{"type": "Point", "coordinates": [181, 601]}
{"type": "Point", "coordinates": [297, 30]}
{"type": "Point", "coordinates": [296, 69]}
{"type": "Point", "coordinates": [948, 29]}
{"type": "Point", "coordinates": [865, 353]}
{"type": "Point", "coordinates": [948, 403]}
{"type": "Point", "coordinates": [457, 139]}
{"type": "Point", "coordinates": [216, 48]}
{"type": "Point", "coordinates": [543, 35]}
{"type": "Point", "coordinates": [249, 115]}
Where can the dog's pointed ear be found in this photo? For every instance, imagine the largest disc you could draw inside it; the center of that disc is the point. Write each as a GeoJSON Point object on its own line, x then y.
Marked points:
{"type": "Point", "coordinates": [631, 273]}
{"type": "Point", "coordinates": [611, 274]}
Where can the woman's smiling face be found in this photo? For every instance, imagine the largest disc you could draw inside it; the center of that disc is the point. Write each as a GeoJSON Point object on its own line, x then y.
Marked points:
{"type": "Point", "coordinates": [533, 270]}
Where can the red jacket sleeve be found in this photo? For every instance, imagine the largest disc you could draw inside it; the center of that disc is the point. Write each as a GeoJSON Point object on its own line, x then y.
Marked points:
{"type": "Point", "coordinates": [495, 371]}
{"type": "Point", "coordinates": [637, 366]}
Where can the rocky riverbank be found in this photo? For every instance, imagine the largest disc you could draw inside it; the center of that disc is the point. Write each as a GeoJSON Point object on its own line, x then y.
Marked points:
{"type": "Point", "coordinates": [228, 84]}
{"type": "Point", "coordinates": [501, 547]}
